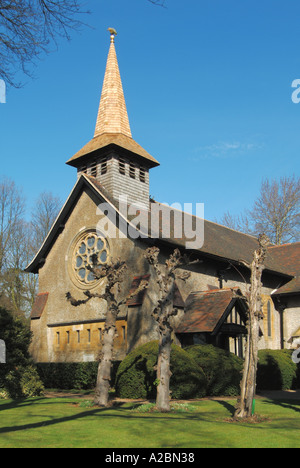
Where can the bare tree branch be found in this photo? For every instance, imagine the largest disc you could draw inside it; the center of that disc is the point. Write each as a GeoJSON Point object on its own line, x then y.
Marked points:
{"type": "Point", "coordinates": [29, 28]}
{"type": "Point", "coordinates": [276, 212]}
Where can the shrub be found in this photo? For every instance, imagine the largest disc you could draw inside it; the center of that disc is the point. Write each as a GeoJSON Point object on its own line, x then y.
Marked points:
{"type": "Point", "coordinates": [72, 375]}
{"type": "Point", "coordinates": [223, 370]}
{"type": "Point", "coordinates": [23, 383]}
{"type": "Point", "coordinates": [17, 336]}
{"type": "Point", "coordinates": [18, 377]}
{"type": "Point", "coordinates": [68, 375]}
{"type": "Point", "coordinates": [276, 370]}
{"type": "Point", "coordinates": [136, 377]}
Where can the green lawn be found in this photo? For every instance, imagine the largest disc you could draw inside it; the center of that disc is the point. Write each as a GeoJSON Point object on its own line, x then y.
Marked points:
{"type": "Point", "coordinates": [44, 422]}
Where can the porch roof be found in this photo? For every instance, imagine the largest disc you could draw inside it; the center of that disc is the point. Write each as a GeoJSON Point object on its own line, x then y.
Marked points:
{"type": "Point", "coordinates": [205, 310]}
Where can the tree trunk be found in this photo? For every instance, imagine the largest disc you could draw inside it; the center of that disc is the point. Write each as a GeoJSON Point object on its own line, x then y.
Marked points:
{"type": "Point", "coordinates": [248, 384]}
{"type": "Point", "coordinates": [163, 372]}
{"type": "Point", "coordinates": [104, 370]}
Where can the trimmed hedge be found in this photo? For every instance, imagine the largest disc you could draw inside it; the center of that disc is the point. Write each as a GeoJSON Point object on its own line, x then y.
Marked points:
{"type": "Point", "coordinates": [136, 375]}
{"type": "Point", "coordinates": [197, 371]}
{"type": "Point", "coordinates": [276, 370]}
{"type": "Point", "coordinates": [68, 375]}
{"type": "Point", "coordinates": [223, 370]}
{"type": "Point", "coordinates": [72, 375]}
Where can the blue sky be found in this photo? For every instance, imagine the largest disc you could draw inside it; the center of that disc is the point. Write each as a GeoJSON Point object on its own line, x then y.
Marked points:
{"type": "Point", "coordinates": [208, 90]}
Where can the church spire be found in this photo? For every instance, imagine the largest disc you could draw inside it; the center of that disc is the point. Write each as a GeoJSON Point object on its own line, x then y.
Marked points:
{"type": "Point", "coordinates": [112, 114]}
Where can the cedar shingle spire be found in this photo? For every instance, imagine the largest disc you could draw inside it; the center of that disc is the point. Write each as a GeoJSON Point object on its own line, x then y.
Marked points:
{"type": "Point", "coordinates": [112, 115]}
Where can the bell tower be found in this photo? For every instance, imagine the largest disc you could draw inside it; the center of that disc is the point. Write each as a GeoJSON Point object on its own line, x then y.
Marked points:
{"type": "Point", "coordinates": [112, 157]}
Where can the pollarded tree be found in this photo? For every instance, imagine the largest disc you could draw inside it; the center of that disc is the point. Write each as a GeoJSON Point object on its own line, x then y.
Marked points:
{"type": "Point", "coordinates": [162, 313]}
{"type": "Point", "coordinates": [254, 301]}
{"type": "Point", "coordinates": [114, 276]}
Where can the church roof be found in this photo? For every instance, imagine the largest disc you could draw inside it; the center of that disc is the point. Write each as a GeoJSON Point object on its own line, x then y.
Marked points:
{"type": "Point", "coordinates": [292, 287]}
{"type": "Point", "coordinates": [39, 305]}
{"type": "Point", "coordinates": [287, 256]}
{"type": "Point", "coordinates": [112, 125]}
{"type": "Point", "coordinates": [220, 242]}
{"type": "Point", "coordinates": [205, 310]}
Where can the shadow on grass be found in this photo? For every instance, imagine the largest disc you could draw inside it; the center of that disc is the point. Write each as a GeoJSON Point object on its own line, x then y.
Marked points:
{"type": "Point", "coordinates": [119, 410]}
{"type": "Point", "coordinates": [286, 404]}
{"type": "Point", "coordinates": [230, 408]}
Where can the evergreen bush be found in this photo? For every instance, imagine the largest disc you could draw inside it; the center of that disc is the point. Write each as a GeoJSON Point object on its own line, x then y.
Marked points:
{"type": "Point", "coordinates": [18, 376]}
{"type": "Point", "coordinates": [68, 375]}
{"type": "Point", "coordinates": [23, 382]}
{"type": "Point", "coordinates": [136, 376]}
{"type": "Point", "coordinates": [223, 370]}
{"type": "Point", "coordinates": [276, 370]}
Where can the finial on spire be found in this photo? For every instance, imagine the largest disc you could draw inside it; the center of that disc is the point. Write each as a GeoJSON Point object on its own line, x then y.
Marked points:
{"type": "Point", "coordinates": [113, 33]}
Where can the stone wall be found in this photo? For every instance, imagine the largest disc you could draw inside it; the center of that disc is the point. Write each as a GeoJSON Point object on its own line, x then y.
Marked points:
{"type": "Point", "coordinates": [56, 332]}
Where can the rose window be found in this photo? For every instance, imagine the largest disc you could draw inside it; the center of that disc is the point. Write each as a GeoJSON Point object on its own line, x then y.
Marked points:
{"type": "Point", "coordinates": [89, 249]}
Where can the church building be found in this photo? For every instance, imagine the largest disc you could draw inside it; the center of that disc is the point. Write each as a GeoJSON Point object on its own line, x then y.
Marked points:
{"type": "Point", "coordinates": [109, 214]}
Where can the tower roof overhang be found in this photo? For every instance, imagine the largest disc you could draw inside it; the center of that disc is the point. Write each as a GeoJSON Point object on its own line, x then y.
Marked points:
{"type": "Point", "coordinates": [119, 140]}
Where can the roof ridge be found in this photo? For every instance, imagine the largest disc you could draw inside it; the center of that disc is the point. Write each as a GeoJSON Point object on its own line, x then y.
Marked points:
{"type": "Point", "coordinates": [212, 291]}
{"type": "Point", "coordinates": [283, 245]}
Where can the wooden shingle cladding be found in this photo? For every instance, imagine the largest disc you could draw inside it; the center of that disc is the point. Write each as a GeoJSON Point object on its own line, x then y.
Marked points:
{"type": "Point", "coordinates": [116, 141]}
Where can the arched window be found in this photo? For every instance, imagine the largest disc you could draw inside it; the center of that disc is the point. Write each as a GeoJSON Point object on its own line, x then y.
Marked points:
{"type": "Point", "coordinates": [89, 248]}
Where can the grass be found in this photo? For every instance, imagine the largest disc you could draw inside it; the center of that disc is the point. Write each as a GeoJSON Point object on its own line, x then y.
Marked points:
{"type": "Point", "coordinates": [64, 423]}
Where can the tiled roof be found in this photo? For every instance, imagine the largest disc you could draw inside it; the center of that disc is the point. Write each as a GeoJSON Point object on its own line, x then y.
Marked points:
{"type": "Point", "coordinates": [39, 305]}
{"type": "Point", "coordinates": [287, 256]}
{"type": "Point", "coordinates": [204, 310]}
{"type": "Point", "coordinates": [225, 243]}
{"type": "Point", "coordinates": [220, 242]}
{"type": "Point", "coordinates": [292, 287]}
{"type": "Point", "coordinates": [137, 299]}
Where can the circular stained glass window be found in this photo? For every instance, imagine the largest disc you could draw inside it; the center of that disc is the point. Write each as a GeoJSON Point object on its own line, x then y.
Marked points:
{"type": "Point", "coordinates": [90, 248]}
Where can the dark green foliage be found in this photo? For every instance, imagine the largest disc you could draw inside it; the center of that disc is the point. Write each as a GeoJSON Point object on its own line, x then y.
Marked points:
{"type": "Point", "coordinates": [17, 337]}
{"type": "Point", "coordinates": [223, 370]}
{"type": "Point", "coordinates": [136, 376]}
{"type": "Point", "coordinates": [18, 377]}
{"type": "Point", "coordinates": [66, 376]}
{"type": "Point", "coordinates": [72, 375]}
{"type": "Point", "coordinates": [276, 370]}
{"type": "Point", "coordinates": [23, 382]}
